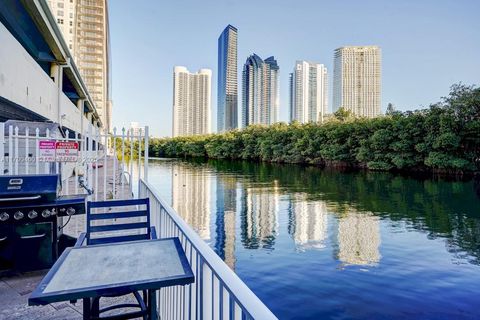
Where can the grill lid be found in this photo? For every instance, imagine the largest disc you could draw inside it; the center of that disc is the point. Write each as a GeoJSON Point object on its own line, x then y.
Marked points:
{"type": "Point", "coordinates": [28, 188]}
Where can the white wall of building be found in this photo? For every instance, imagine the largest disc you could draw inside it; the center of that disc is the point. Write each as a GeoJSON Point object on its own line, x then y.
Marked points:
{"type": "Point", "coordinates": [24, 82]}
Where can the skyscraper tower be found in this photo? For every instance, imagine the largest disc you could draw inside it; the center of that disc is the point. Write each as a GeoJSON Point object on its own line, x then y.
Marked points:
{"type": "Point", "coordinates": [85, 28]}
{"type": "Point", "coordinates": [357, 80]}
{"type": "Point", "coordinates": [308, 92]}
{"type": "Point", "coordinates": [227, 104]}
{"type": "Point", "coordinates": [260, 101]}
{"type": "Point", "coordinates": [191, 101]}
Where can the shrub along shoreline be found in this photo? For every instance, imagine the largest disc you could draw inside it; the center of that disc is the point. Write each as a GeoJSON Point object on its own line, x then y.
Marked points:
{"type": "Point", "coordinates": [444, 138]}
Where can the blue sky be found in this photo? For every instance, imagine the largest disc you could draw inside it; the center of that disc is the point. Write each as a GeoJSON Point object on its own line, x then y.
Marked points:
{"type": "Point", "coordinates": [427, 45]}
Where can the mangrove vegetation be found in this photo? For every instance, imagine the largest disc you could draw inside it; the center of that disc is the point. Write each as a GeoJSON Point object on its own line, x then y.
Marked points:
{"type": "Point", "coordinates": [445, 137]}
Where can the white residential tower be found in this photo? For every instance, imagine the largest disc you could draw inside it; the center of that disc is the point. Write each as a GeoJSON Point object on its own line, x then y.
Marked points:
{"type": "Point", "coordinates": [308, 92]}
{"type": "Point", "coordinates": [85, 28]}
{"type": "Point", "coordinates": [191, 101]}
{"type": "Point", "coordinates": [357, 80]}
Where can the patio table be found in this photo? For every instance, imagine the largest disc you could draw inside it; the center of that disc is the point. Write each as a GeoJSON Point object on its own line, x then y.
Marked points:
{"type": "Point", "coordinates": [91, 271]}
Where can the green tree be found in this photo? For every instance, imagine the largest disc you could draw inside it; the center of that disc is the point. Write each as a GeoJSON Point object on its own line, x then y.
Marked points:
{"type": "Point", "coordinates": [342, 114]}
{"type": "Point", "coordinates": [444, 138]}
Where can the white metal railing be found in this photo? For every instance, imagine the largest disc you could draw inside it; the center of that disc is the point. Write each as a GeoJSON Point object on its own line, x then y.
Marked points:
{"type": "Point", "coordinates": [20, 154]}
{"type": "Point", "coordinates": [20, 150]}
{"type": "Point", "coordinates": [217, 292]}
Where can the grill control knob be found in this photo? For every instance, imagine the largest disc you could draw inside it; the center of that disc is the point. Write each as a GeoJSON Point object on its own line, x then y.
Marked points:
{"type": "Point", "coordinates": [32, 214]}
{"type": "Point", "coordinates": [18, 215]}
{"type": "Point", "coordinates": [70, 211]}
{"type": "Point", "coordinates": [4, 216]}
{"type": "Point", "coordinates": [46, 213]}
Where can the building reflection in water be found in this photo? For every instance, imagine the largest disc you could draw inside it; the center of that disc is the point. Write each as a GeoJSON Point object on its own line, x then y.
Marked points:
{"type": "Point", "coordinates": [358, 239]}
{"type": "Point", "coordinates": [259, 218]}
{"type": "Point", "coordinates": [191, 197]}
{"type": "Point", "coordinates": [356, 235]}
{"type": "Point", "coordinates": [308, 222]}
{"type": "Point", "coordinates": [225, 219]}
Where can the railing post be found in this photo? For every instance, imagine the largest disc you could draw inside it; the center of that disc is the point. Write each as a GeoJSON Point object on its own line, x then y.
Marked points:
{"type": "Point", "coordinates": [67, 184]}
{"type": "Point", "coordinates": [105, 165]}
{"type": "Point", "coordinates": [89, 153]}
{"type": "Point", "coordinates": [10, 149]}
{"type": "Point", "coordinates": [97, 143]}
{"type": "Point", "coordinates": [16, 155]}
{"type": "Point", "coordinates": [2, 148]}
{"type": "Point", "coordinates": [114, 158]}
{"type": "Point", "coordinates": [130, 162]}
{"type": "Point", "coordinates": [27, 147]}
{"type": "Point", "coordinates": [123, 156]}
{"type": "Point", "coordinates": [47, 164]}
{"type": "Point", "coordinates": [37, 150]}
{"type": "Point", "coordinates": [77, 166]}
{"type": "Point", "coordinates": [139, 154]}
{"type": "Point", "coordinates": [145, 157]}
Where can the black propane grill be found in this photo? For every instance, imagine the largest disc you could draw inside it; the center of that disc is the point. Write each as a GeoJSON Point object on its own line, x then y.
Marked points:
{"type": "Point", "coordinates": [30, 210]}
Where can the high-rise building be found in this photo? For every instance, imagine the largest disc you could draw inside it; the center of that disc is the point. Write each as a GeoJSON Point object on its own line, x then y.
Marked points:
{"type": "Point", "coordinates": [65, 12]}
{"type": "Point", "coordinates": [357, 80]}
{"type": "Point", "coordinates": [85, 28]}
{"type": "Point", "coordinates": [260, 101]}
{"type": "Point", "coordinates": [308, 92]}
{"type": "Point", "coordinates": [227, 104]}
{"type": "Point", "coordinates": [290, 96]}
{"type": "Point", "coordinates": [191, 102]}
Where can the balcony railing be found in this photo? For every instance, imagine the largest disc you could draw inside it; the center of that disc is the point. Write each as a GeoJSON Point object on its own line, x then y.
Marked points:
{"type": "Point", "coordinates": [217, 293]}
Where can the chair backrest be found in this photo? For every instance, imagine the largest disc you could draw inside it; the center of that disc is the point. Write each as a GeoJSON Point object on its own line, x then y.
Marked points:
{"type": "Point", "coordinates": [116, 224]}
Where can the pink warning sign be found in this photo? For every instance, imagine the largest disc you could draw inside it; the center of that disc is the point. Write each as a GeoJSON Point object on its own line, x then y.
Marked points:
{"type": "Point", "coordinates": [46, 150]}
{"type": "Point", "coordinates": [66, 151]}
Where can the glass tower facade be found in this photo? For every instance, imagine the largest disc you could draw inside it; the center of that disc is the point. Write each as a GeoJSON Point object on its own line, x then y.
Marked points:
{"type": "Point", "coordinates": [227, 104]}
{"type": "Point", "coordinates": [260, 93]}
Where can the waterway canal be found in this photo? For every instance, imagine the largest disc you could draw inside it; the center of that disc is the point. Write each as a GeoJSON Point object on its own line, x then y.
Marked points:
{"type": "Point", "coordinates": [316, 244]}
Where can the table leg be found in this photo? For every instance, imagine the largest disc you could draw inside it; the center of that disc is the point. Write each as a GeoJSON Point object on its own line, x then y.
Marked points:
{"type": "Point", "coordinates": [95, 307]}
{"type": "Point", "coordinates": [152, 304]}
{"type": "Point", "coordinates": [86, 308]}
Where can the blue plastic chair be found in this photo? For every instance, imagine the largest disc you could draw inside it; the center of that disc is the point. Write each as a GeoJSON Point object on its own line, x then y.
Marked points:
{"type": "Point", "coordinates": [110, 232]}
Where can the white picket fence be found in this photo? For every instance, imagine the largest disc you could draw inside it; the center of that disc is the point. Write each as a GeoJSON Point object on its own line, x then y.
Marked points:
{"type": "Point", "coordinates": [104, 163]}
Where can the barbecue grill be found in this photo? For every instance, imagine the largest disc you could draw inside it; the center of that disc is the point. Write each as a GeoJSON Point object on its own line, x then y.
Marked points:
{"type": "Point", "coordinates": [30, 214]}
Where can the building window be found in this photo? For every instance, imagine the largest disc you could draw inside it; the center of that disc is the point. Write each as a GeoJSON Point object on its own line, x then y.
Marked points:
{"type": "Point", "coordinates": [60, 13]}
{"type": "Point", "coordinates": [60, 21]}
{"type": "Point", "coordinates": [60, 4]}
{"type": "Point", "coordinates": [71, 23]}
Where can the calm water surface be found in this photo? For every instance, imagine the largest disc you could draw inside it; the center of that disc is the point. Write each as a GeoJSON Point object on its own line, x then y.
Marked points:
{"type": "Point", "coordinates": [316, 244]}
